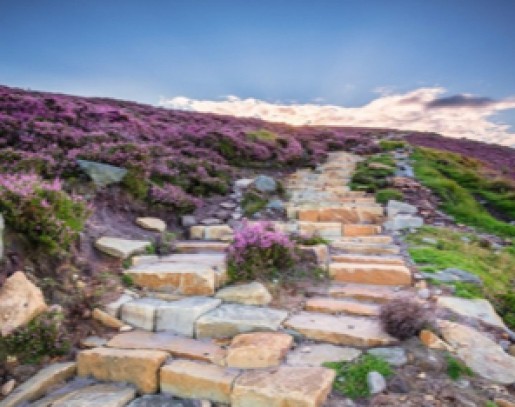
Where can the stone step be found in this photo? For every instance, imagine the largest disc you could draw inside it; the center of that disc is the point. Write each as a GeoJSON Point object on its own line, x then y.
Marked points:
{"type": "Point", "coordinates": [137, 366]}
{"type": "Point", "coordinates": [329, 230]}
{"type": "Point", "coordinates": [381, 239]}
{"type": "Point", "coordinates": [121, 248]}
{"type": "Point", "coordinates": [180, 277]}
{"type": "Point", "coordinates": [344, 213]}
{"type": "Point", "coordinates": [367, 259]}
{"type": "Point", "coordinates": [381, 274]}
{"type": "Point", "coordinates": [365, 248]}
{"type": "Point", "coordinates": [213, 259]}
{"type": "Point", "coordinates": [229, 320]}
{"type": "Point", "coordinates": [366, 292]}
{"type": "Point", "coordinates": [211, 232]}
{"type": "Point", "coordinates": [336, 306]}
{"type": "Point", "coordinates": [352, 230]}
{"type": "Point", "coordinates": [340, 329]}
{"type": "Point", "coordinates": [192, 246]}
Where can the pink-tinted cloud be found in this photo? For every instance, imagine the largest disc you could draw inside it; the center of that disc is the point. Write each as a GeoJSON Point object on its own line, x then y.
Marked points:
{"type": "Point", "coordinates": [424, 109]}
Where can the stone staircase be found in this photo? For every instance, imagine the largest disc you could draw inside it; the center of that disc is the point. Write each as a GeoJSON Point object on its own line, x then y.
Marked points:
{"type": "Point", "coordinates": [189, 337]}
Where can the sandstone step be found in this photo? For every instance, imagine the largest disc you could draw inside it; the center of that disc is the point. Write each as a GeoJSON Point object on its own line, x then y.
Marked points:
{"type": "Point", "coordinates": [372, 293]}
{"type": "Point", "coordinates": [229, 320]}
{"type": "Point", "coordinates": [381, 274]}
{"type": "Point", "coordinates": [316, 354]}
{"type": "Point", "coordinates": [137, 366]}
{"type": "Point", "coordinates": [375, 239]}
{"type": "Point", "coordinates": [344, 213]}
{"type": "Point", "coordinates": [121, 248]}
{"type": "Point", "coordinates": [330, 230]}
{"type": "Point", "coordinates": [192, 246]}
{"type": "Point", "coordinates": [340, 330]}
{"type": "Point", "coordinates": [178, 346]}
{"type": "Point", "coordinates": [365, 248]}
{"type": "Point", "coordinates": [191, 379]}
{"type": "Point", "coordinates": [336, 306]}
{"type": "Point", "coordinates": [360, 230]}
{"type": "Point", "coordinates": [178, 277]}
{"type": "Point", "coordinates": [283, 386]}
{"type": "Point", "coordinates": [367, 259]}
{"type": "Point", "coordinates": [211, 232]}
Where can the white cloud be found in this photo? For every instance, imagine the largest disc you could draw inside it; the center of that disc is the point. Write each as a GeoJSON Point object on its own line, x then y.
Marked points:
{"type": "Point", "coordinates": [423, 109]}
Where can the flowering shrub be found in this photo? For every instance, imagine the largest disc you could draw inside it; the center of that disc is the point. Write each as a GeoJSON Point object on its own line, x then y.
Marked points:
{"type": "Point", "coordinates": [259, 251]}
{"type": "Point", "coordinates": [174, 196]}
{"type": "Point", "coordinates": [41, 210]}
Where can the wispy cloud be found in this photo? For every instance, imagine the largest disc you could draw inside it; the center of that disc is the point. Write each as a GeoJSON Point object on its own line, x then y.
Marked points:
{"type": "Point", "coordinates": [423, 109]}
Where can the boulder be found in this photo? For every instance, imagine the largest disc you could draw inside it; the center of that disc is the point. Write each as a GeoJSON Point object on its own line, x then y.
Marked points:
{"type": "Point", "coordinates": [402, 221]}
{"type": "Point", "coordinates": [476, 308]}
{"type": "Point", "coordinates": [102, 174]}
{"type": "Point", "coordinates": [121, 248]}
{"type": "Point", "coordinates": [20, 302]}
{"type": "Point", "coordinates": [154, 224]}
{"type": "Point", "coordinates": [394, 208]}
{"type": "Point", "coordinates": [481, 354]}
{"type": "Point", "coordinates": [253, 293]}
{"type": "Point", "coordinates": [258, 350]}
{"type": "Point", "coordinates": [264, 183]}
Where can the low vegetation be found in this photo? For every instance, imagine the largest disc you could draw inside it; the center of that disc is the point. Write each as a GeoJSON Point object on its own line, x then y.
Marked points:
{"type": "Point", "coordinates": [390, 145]}
{"type": "Point", "coordinates": [404, 318]}
{"type": "Point", "coordinates": [495, 266]}
{"type": "Point", "coordinates": [351, 377]}
{"type": "Point", "coordinates": [468, 193]}
{"type": "Point", "coordinates": [387, 194]}
{"type": "Point", "coordinates": [456, 368]}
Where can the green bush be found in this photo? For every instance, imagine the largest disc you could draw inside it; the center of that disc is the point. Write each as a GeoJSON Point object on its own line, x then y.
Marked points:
{"type": "Point", "coordinates": [371, 179]}
{"type": "Point", "coordinates": [387, 194]}
{"type": "Point", "coordinates": [253, 202]}
{"type": "Point", "coordinates": [456, 368]}
{"type": "Point", "coordinates": [389, 145]}
{"type": "Point", "coordinates": [351, 377]}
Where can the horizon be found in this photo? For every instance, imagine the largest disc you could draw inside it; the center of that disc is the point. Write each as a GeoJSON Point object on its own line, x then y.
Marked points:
{"type": "Point", "coordinates": [444, 68]}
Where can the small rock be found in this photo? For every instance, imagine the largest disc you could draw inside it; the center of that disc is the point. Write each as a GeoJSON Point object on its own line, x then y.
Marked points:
{"type": "Point", "coordinates": [154, 224]}
{"type": "Point", "coordinates": [394, 208]}
{"type": "Point", "coordinates": [424, 293]}
{"type": "Point", "coordinates": [264, 183]}
{"type": "Point", "coordinates": [188, 220]}
{"type": "Point", "coordinates": [432, 341]}
{"type": "Point", "coordinates": [102, 174]}
{"type": "Point", "coordinates": [121, 248]}
{"type": "Point", "coordinates": [228, 205]}
{"type": "Point", "coordinates": [317, 354]}
{"type": "Point", "coordinates": [511, 350]}
{"type": "Point", "coordinates": [253, 293]}
{"type": "Point", "coordinates": [376, 382]}
{"type": "Point", "coordinates": [106, 319]}
{"type": "Point", "coordinates": [398, 385]}
{"type": "Point", "coordinates": [505, 344]}
{"type": "Point", "coordinates": [430, 240]}
{"type": "Point", "coordinates": [243, 183]}
{"type": "Point", "coordinates": [93, 342]}
{"type": "Point", "coordinates": [8, 387]}
{"type": "Point", "coordinates": [395, 356]}
{"type": "Point", "coordinates": [275, 204]}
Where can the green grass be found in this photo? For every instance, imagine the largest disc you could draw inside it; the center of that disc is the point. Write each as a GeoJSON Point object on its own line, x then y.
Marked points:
{"type": "Point", "coordinates": [456, 368]}
{"type": "Point", "coordinates": [127, 280]}
{"type": "Point", "coordinates": [351, 377]}
{"type": "Point", "coordinates": [253, 203]}
{"type": "Point", "coordinates": [387, 194]}
{"type": "Point", "coordinates": [262, 135]}
{"type": "Point", "coordinates": [458, 180]}
{"type": "Point", "coordinates": [390, 145]}
{"type": "Point", "coordinates": [495, 268]}
{"type": "Point", "coordinates": [373, 179]}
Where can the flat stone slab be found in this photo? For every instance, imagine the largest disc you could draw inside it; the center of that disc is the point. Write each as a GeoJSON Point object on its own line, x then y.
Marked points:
{"type": "Point", "coordinates": [212, 232]}
{"type": "Point", "coordinates": [335, 306]}
{"type": "Point", "coordinates": [450, 275]}
{"type": "Point", "coordinates": [186, 378]}
{"type": "Point", "coordinates": [100, 395]}
{"type": "Point", "coordinates": [365, 248]}
{"type": "Point", "coordinates": [154, 224]}
{"type": "Point", "coordinates": [374, 293]}
{"type": "Point", "coordinates": [201, 247]}
{"type": "Point", "coordinates": [360, 230]}
{"type": "Point", "coordinates": [258, 350]}
{"type": "Point", "coordinates": [180, 316]}
{"type": "Point", "coordinates": [164, 400]}
{"type": "Point", "coordinates": [177, 346]}
{"type": "Point", "coordinates": [141, 313]}
{"type": "Point", "coordinates": [316, 354]}
{"type": "Point", "coordinates": [121, 248]}
{"type": "Point", "coordinates": [283, 386]}
{"type": "Point", "coordinates": [139, 367]}
{"type": "Point", "coordinates": [179, 277]}
{"type": "Point", "coordinates": [38, 384]}
{"type": "Point", "coordinates": [364, 259]}
{"type": "Point", "coordinates": [394, 355]}
{"type": "Point", "coordinates": [380, 274]}
{"type": "Point", "coordinates": [229, 320]}
{"type": "Point", "coordinates": [340, 330]}
{"type": "Point", "coordinates": [253, 293]}
{"type": "Point", "coordinates": [481, 354]}
{"type": "Point", "coordinates": [477, 308]}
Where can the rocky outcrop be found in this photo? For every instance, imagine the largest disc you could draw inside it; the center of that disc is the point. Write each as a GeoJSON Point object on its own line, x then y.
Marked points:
{"type": "Point", "coordinates": [102, 174]}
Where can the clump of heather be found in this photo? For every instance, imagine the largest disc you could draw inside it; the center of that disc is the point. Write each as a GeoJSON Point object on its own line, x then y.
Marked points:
{"type": "Point", "coordinates": [42, 210]}
{"type": "Point", "coordinates": [259, 252]}
{"type": "Point", "coordinates": [175, 197]}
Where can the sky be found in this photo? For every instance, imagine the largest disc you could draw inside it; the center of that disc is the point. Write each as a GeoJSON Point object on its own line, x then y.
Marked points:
{"type": "Point", "coordinates": [440, 65]}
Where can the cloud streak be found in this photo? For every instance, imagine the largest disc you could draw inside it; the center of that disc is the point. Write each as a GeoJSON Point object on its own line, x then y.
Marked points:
{"type": "Point", "coordinates": [423, 109]}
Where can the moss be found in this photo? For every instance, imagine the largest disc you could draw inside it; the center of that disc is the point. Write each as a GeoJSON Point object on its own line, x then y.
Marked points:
{"type": "Point", "coordinates": [387, 194]}
{"type": "Point", "coordinates": [351, 377]}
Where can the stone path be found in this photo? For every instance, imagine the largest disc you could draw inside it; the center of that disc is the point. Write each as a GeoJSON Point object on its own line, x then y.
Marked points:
{"type": "Point", "coordinates": [191, 338]}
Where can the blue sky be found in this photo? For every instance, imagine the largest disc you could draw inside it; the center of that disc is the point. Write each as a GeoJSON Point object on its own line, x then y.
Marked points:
{"type": "Point", "coordinates": [329, 52]}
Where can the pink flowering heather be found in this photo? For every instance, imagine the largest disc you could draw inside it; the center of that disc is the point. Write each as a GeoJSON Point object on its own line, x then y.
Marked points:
{"type": "Point", "coordinates": [259, 251]}
{"type": "Point", "coordinates": [41, 210]}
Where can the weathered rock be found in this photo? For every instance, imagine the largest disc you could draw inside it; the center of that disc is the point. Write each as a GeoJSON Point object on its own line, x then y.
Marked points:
{"type": "Point", "coordinates": [365, 248]}
{"type": "Point", "coordinates": [141, 313]}
{"type": "Point", "coordinates": [395, 356]}
{"type": "Point", "coordinates": [275, 204]}
{"type": "Point", "coordinates": [210, 221]}
{"type": "Point", "coordinates": [376, 382]}
{"type": "Point", "coordinates": [481, 354]}
{"type": "Point", "coordinates": [38, 385]}
{"type": "Point", "coordinates": [320, 253]}
{"type": "Point", "coordinates": [188, 220]}
{"type": "Point", "coordinates": [2, 227]}
{"type": "Point", "coordinates": [213, 232]}
{"type": "Point", "coordinates": [329, 230]}
{"type": "Point", "coordinates": [229, 320]}
{"type": "Point", "coordinates": [334, 306]}
{"type": "Point", "coordinates": [258, 350]}
{"type": "Point", "coordinates": [106, 319]}
{"type": "Point", "coordinates": [373, 293]}
{"type": "Point", "coordinates": [180, 316]}
{"type": "Point", "coordinates": [121, 248]}
{"type": "Point", "coordinates": [178, 346]}
{"type": "Point", "coordinates": [253, 293]}
{"type": "Point", "coordinates": [283, 386]}
{"type": "Point", "coordinates": [102, 174]}
{"type": "Point", "coordinates": [386, 274]}
{"type": "Point", "coordinates": [201, 247]}
{"type": "Point", "coordinates": [154, 224]}
{"type": "Point", "coordinates": [360, 230]}
{"type": "Point", "coordinates": [432, 341]}
{"type": "Point", "coordinates": [451, 275]}
{"type": "Point", "coordinates": [340, 330]}
{"type": "Point", "coordinates": [7, 387]}
{"type": "Point", "coordinates": [139, 367]}
{"type": "Point", "coordinates": [20, 302]}
{"type": "Point", "coordinates": [394, 208]}
{"type": "Point", "coordinates": [93, 342]}
{"type": "Point", "coordinates": [401, 221]}
{"type": "Point", "coordinates": [475, 308]}
{"type": "Point", "coordinates": [163, 400]}
{"type": "Point", "coordinates": [186, 378]}
{"type": "Point", "coordinates": [264, 183]}
{"type": "Point", "coordinates": [113, 308]}
{"type": "Point", "coordinates": [317, 354]}
{"type": "Point", "coordinates": [99, 395]}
